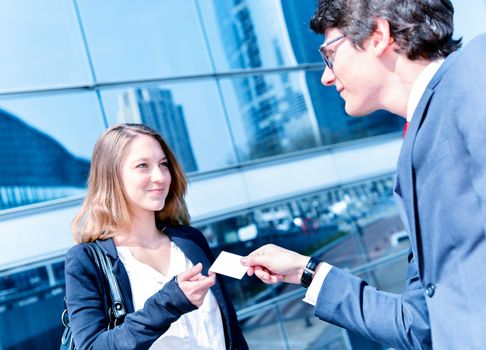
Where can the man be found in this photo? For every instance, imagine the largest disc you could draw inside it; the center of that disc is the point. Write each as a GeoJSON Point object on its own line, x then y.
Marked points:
{"type": "Point", "coordinates": [398, 55]}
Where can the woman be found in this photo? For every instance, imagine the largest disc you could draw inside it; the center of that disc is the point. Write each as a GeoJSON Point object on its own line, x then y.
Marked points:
{"type": "Point", "coordinates": [135, 210]}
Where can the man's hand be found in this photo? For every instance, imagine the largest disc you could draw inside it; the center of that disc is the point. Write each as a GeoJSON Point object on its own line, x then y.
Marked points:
{"type": "Point", "coordinates": [273, 264]}
{"type": "Point", "coordinates": [194, 285]}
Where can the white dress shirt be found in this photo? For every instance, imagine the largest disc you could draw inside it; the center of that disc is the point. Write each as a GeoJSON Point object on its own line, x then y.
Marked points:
{"type": "Point", "coordinates": [418, 89]}
{"type": "Point", "coordinates": [420, 85]}
{"type": "Point", "coordinates": [199, 329]}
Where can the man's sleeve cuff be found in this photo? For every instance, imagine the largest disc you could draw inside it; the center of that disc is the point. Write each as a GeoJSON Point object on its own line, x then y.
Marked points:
{"type": "Point", "coordinates": [316, 284]}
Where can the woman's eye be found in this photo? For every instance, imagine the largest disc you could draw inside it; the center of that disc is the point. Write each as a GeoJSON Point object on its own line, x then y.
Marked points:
{"type": "Point", "coordinates": [164, 164]}
{"type": "Point", "coordinates": [142, 165]}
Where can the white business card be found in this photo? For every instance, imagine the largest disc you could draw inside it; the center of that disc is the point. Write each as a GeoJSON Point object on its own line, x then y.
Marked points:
{"type": "Point", "coordinates": [228, 264]}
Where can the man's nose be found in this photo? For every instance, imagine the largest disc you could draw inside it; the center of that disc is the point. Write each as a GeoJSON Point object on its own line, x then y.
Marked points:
{"type": "Point", "coordinates": [328, 78]}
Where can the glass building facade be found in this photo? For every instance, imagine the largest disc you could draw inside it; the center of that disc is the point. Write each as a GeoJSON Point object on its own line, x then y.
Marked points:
{"type": "Point", "coordinates": [225, 82]}
{"type": "Point", "coordinates": [234, 87]}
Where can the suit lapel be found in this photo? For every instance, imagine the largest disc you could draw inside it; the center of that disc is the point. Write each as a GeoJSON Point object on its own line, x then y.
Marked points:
{"type": "Point", "coordinates": [406, 186]}
{"type": "Point", "coordinates": [406, 180]}
{"type": "Point", "coordinates": [190, 248]}
{"type": "Point", "coordinates": [196, 254]}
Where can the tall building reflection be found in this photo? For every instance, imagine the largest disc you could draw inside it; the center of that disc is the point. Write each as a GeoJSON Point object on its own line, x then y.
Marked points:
{"type": "Point", "coordinates": [156, 108]}
{"type": "Point", "coordinates": [275, 113]}
{"type": "Point", "coordinates": [334, 124]}
{"type": "Point", "coordinates": [35, 167]}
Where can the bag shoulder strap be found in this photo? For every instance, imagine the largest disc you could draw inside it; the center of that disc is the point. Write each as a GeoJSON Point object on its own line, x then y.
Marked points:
{"type": "Point", "coordinates": [117, 309]}
{"type": "Point", "coordinates": [104, 264]}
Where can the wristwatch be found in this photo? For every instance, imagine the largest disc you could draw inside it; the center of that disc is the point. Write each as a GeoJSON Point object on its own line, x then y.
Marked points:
{"type": "Point", "coordinates": [309, 271]}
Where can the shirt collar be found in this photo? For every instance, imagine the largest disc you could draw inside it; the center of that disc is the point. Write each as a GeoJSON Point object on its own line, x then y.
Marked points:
{"type": "Point", "coordinates": [420, 85]}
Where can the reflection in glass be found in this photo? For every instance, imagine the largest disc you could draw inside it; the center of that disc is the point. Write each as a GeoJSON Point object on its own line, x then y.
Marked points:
{"type": "Point", "coordinates": [259, 34]}
{"type": "Point", "coordinates": [32, 297]}
{"type": "Point", "coordinates": [156, 108]}
{"type": "Point", "coordinates": [44, 154]}
{"type": "Point", "coordinates": [270, 114]}
{"type": "Point", "coordinates": [279, 113]}
{"type": "Point", "coordinates": [188, 115]}
{"type": "Point", "coordinates": [148, 39]}
{"type": "Point", "coordinates": [41, 46]}
{"type": "Point", "coordinates": [307, 224]}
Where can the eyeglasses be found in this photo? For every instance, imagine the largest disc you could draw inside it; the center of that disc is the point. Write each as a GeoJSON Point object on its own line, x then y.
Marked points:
{"type": "Point", "coordinates": [322, 50]}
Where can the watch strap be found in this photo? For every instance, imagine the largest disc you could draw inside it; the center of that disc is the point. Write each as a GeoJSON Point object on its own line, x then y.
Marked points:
{"type": "Point", "coordinates": [309, 271]}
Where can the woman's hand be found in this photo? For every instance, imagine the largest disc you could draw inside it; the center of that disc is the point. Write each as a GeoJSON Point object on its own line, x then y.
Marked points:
{"type": "Point", "coordinates": [194, 285]}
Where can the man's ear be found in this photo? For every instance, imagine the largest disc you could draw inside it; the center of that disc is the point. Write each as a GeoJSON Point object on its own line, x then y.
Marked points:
{"type": "Point", "coordinates": [381, 38]}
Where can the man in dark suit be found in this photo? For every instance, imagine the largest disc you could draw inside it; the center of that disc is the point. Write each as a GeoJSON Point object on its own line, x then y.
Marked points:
{"type": "Point", "coordinates": [399, 55]}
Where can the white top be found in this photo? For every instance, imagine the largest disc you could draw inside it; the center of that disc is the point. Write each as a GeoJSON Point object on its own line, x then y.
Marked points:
{"type": "Point", "coordinates": [420, 85]}
{"type": "Point", "coordinates": [199, 329]}
{"type": "Point", "coordinates": [418, 89]}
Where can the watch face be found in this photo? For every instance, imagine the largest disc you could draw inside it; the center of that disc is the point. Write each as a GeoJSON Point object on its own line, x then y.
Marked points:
{"type": "Point", "coordinates": [306, 278]}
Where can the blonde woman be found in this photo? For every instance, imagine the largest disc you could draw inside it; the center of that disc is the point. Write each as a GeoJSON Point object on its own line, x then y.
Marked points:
{"type": "Point", "coordinates": [135, 211]}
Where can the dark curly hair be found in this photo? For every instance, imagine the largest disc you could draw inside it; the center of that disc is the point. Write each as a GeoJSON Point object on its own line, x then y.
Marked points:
{"type": "Point", "coordinates": [422, 29]}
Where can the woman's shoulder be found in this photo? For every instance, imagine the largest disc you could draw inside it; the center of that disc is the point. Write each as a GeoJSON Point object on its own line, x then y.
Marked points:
{"type": "Point", "coordinates": [78, 257]}
{"type": "Point", "coordinates": [78, 250]}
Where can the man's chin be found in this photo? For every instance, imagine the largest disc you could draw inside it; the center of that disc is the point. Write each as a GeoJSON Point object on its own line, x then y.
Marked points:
{"type": "Point", "coordinates": [356, 112]}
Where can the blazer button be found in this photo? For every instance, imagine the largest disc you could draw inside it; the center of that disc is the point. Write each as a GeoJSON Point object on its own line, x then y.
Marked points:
{"type": "Point", "coordinates": [430, 290]}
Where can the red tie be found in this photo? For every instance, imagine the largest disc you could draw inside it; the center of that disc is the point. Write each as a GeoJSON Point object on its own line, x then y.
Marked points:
{"type": "Point", "coordinates": [405, 128]}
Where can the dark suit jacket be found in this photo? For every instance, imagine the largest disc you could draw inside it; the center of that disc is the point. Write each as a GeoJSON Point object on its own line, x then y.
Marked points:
{"type": "Point", "coordinates": [441, 191]}
{"type": "Point", "coordinates": [84, 298]}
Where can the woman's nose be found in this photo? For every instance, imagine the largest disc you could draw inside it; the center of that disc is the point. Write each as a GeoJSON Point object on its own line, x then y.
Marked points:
{"type": "Point", "coordinates": [157, 174]}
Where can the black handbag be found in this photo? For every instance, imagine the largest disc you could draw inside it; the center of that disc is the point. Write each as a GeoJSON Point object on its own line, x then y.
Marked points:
{"type": "Point", "coordinates": [114, 307]}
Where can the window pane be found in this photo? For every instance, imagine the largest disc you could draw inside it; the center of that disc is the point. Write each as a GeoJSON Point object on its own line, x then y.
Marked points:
{"type": "Point", "coordinates": [188, 115]}
{"type": "Point", "coordinates": [45, 146]}
{"type": "Point", "coordinates": [259, 34]}
{"type": "Point", "coordinates": [274, 114]}
{"type": "Point", "coordinates": [306, 224]}
{"type": "Point", "coordinates": [143, 39]}
{"type": "Point", "coordinates": [41, 45]}
{"type": "Point", "coordinates": [270, 114]}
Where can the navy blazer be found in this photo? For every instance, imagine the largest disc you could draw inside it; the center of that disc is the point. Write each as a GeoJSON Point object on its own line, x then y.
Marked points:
{"type": "Point", "coordinates": [441, 193]}
{"type": "Point", "coordinates": [85, 305]}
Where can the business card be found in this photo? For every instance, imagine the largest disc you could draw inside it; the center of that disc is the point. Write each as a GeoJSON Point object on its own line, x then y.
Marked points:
{"type": "Point", "coordinates": [228, 264]}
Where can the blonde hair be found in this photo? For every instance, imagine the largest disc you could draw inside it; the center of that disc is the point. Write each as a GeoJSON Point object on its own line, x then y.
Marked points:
{"type": "Point", "coordinates": [105, 209]}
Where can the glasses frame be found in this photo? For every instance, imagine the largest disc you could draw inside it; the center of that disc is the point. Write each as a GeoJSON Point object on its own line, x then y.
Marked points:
{"type": "Point", "coordinates": [329, 60]}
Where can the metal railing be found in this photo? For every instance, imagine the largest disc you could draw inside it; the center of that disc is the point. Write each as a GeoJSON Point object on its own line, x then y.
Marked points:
{"type": "Point", "coordinates": [338, 339]}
